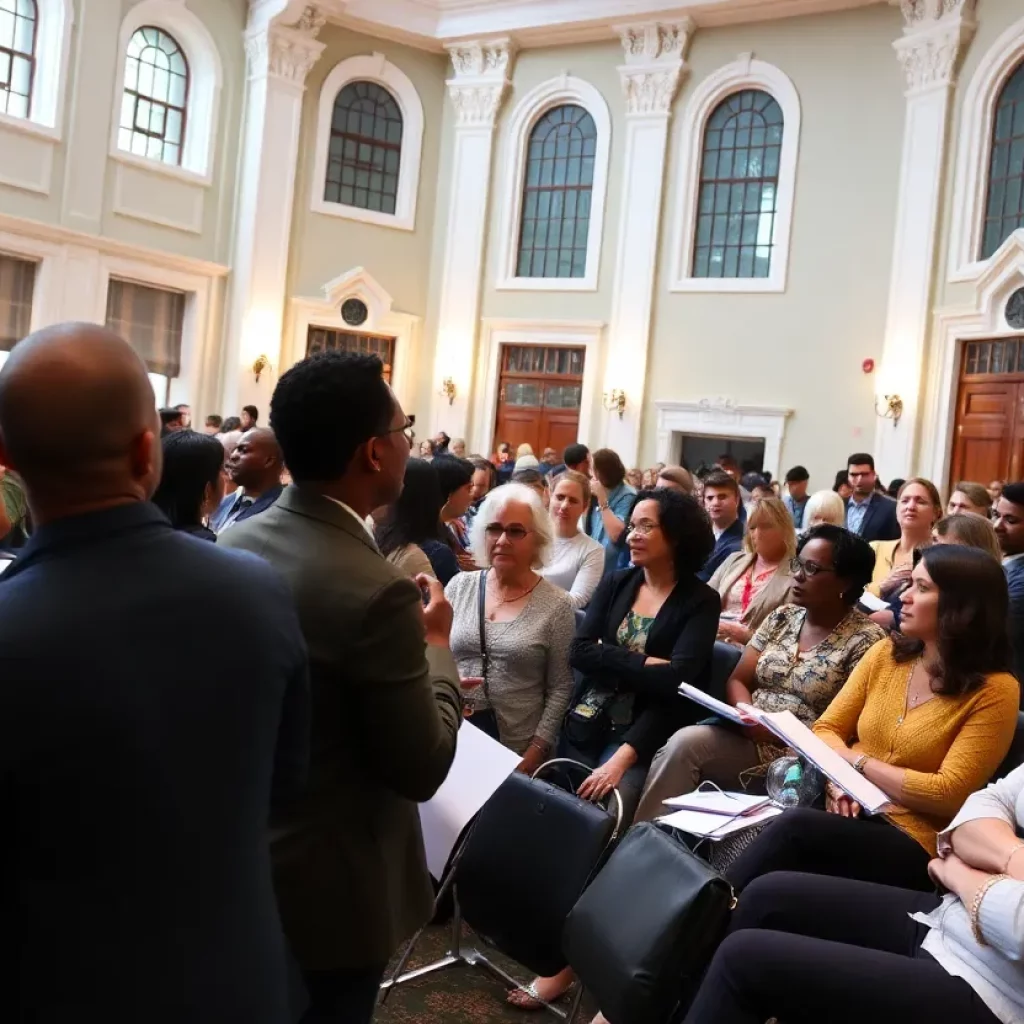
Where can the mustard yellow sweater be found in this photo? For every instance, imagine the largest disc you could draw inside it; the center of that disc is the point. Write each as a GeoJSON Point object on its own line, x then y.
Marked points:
{"type": "Point", "coordinates": [949, 746]}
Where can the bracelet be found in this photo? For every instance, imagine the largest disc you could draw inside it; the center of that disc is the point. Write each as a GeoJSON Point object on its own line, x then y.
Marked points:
{"type": "Point", "coordinates": [1013, 853]}
{"type": "Point", "coordinates": [604, 507]}
{"type": "Point", "coordinates": [976, 906]}
{"type": "Point", "coordinates": [861, 762]}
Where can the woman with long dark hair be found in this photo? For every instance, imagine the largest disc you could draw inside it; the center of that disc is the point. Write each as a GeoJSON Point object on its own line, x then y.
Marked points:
{"type": "Point", "coordinates": [192, 484]}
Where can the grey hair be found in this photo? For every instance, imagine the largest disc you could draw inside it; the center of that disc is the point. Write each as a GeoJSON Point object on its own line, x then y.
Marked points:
{"type": "Point", "coordinates": [493, 505]}
{"type": "Point", "coordinates": [828, 505]}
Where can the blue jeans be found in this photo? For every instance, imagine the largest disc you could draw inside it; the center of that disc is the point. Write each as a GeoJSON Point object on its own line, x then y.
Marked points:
{"type": "Point", "coordinates": [632, 784]}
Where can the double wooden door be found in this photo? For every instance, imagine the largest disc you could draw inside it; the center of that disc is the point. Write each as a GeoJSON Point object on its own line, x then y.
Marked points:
{"type": "Point", "coordinates": [989, 440]}
{"type": "Point", "coordinates": [540, 389]}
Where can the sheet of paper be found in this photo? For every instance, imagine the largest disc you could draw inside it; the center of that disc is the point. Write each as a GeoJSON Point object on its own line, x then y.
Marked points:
{"type": "Point", "coordinates": [713, 801]}
{"type": "Point", "coordinates": [5, 563]}
{"type": "Point", "coordinates": [481, 765]}
{"type": "Point", "coordinates": [711, 703]}
{"type": "Point", "coordinates": [795, 734]}
{"type": "Point", "coordinates": [872, 603]}
{"type": "Point", "coordinates": [714, 826]}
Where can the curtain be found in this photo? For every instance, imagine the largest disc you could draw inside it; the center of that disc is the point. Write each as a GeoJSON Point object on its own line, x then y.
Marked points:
{"type": "Point", "coordinates": [17, 279]}
{"type": "Point", "coordinates": [151, 321]}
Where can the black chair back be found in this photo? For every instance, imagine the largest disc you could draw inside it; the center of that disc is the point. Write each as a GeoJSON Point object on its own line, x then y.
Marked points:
{"type": "Point", "coordinates": [724, 659]}
{"type": "Point", "coordinates": [1015, 756]}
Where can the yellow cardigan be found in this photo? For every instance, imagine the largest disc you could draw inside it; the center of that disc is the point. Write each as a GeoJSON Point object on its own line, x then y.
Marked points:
{"type": "Point", "coordinates": [885, 559]}
{"type": "Point", "coordinates": [950, 746]}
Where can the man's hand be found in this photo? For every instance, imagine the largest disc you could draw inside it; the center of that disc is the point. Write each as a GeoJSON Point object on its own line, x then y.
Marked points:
{"type": "Point", "coordinates": [437, 612]}
{"type": "Point", "coordinates": [599, 491]}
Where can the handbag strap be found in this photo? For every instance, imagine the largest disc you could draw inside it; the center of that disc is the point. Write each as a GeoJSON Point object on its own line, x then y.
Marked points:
{"type": "Point", "coordinates": [481, 605]}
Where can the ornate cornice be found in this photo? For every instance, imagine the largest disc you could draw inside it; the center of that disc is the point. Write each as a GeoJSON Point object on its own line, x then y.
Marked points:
{"type": "Point", "coordinates": [286, 52]}
{"type": "Point", "coordinates": [936, 34]}
{"type": "Point", "coordinates": [655, 63]}
{"type": "Point", "coordinates": [480, 80]}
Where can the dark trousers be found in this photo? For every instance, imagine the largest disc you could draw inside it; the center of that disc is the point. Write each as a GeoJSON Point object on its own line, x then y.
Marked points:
{"type": "Point", "coordinates": [807, 948]}
{"type": "Point", "coordinates": [342, 997]}
{"type": "Point", "coordinates": [819, 843]}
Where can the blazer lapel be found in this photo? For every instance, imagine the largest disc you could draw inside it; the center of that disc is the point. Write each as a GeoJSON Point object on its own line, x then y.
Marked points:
{"type": "Point", "coordinates": [316, 506]}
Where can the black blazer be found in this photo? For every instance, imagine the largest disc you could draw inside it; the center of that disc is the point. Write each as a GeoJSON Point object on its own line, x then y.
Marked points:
{"type": "Point", "coordinates": [683, 632]}
{"type": "Point", "coordinates": [730, 541]}
{"type": "Point", "coordinates": [879, 520]}
{"type": "Point", "coordinates": [139, 749]}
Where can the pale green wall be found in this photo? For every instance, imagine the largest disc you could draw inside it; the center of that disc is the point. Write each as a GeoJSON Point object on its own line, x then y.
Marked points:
{"type": "Point", "coordinates": [802, 349]}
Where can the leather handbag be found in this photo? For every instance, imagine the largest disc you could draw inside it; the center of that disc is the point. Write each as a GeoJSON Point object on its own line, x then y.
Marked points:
{"type": "Point", "coordinates": [485, 719]}
{"type": "Point", "coordinates": [643, 932]}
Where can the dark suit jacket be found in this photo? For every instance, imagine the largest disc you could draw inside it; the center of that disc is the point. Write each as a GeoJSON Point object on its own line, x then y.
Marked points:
{"type": "Point", "coordinates": [1015, 581]}
{"type": "Point", "coordinates": [261, 504]}
{"type": "Point", "coordinates": [349, 865]}
{"type": "Point", "coordinates": [683, 632]}
{"type": "Point", "coordinates": [139, 749]}
{"type": "Point", "coordinates": [727, 544]}
{"type": "Point", "coordinates": [879, 520]}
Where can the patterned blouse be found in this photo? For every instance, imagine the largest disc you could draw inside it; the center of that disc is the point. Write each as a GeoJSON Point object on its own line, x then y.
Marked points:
{"type": "Point", "coordinates": [632, 635]}
{"type": "Point", "coordinates": [804, 682]}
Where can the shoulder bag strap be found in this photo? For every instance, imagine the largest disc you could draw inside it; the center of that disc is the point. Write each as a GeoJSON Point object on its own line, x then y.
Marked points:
{"type": "Point", "coordinates": [481, 603]}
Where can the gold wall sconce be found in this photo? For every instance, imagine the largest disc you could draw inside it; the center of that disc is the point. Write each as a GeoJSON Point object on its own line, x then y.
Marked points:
{"type": "Point", "coordinates": [448, 390]}
{"type": "Point", "coordinates": [262, 363]}
{"type": "Point", "coordinates": [615, 401]}
{"type": "Point", "coordinates": [889, 407]}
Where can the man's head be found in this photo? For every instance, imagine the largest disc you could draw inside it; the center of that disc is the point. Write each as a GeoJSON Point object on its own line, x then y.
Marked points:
{"type": "Point", "coordinates": [721, 499]}
{"type": "Point", "coordinates": [796, 482]}
{"type": "Point", "coordinates": [256, 462]}
{"type": "Point", "coordinates": [995, 489]}
{"type": "Point", "coordinates": [1009, 522]}
{"type": "Point", "coordinates": [213, 424]}
{"type": "Point", "coordinates": [186, 415]}
{"type": "Point", "coordinates": [675, 478]}
{"type": "Point", "coordinates": [341, 428]}
{"type": "Point", "coordinates": [609, 470]}
{"type": "Point", "coordinates": [78, 421]}
{"type": "Point", "coordinates": [549, 457]}
{"type": "Point", "coordinates": [250, 416]}
{"type": "Point", "coordinates": [727, 464]}
{"type": "Point", "coordinates": [458, 447]}
{"type": "Point", "coordinates": [577, 458]}
{"type": "Point", "coordinates": [441, 442]}
{"type": "Point", "coordinates": [860, 468]}
{"type": "Point", "coordinates": [171, 420]}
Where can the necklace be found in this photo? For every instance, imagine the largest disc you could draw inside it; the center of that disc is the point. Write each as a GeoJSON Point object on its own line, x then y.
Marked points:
{"type": "Point", "coordinates": [511, 600]}
{"type": "Point", "coordinates": [913, 700]}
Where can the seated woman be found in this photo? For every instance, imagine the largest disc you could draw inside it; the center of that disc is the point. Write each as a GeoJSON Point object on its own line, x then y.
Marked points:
{"type": "Point", "coordinates": [824, 507]}
{"type": "Point", "coordinates": [456, 479]}
{"type": "Point", "coordinates": [969, 498]}
{"type": "Point", "coordinates": [576, 562]}
{"type": "Point", "coordinates": [192, 484]}
{"type": "Point", "coordinates": [918, 509]}
{"type": "Point", "coordinates": [797, 661]}
{"type": "Point", "coordinates": [883, 954]}
{"type": "Point", "coordinates": [527, 625]}
{"type": "Point", "coordinates": [411, 536]}
{"type": "Point", "coordinates": [755, 581]}
{"type": "Point", "coordinates": [970, 531]}
{"type": "Point", "coordinates": [927, 716]}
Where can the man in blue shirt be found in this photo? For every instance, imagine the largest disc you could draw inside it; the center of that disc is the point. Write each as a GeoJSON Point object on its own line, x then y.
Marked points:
{"type": "Point", "coordinates": [722, 504]}
{"type": "Point", "coordinates": [610, 507]}
{"type": "Point", "coordinates": [869, 514]}
{"type": "Point", "coordinates": [796, 499]}
{"type": "Point", "coordinates": [1009, 526]}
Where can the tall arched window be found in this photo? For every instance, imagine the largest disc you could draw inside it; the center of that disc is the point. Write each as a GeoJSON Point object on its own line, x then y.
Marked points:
{"type": "Point", "coordinates": [18, 23]}
{"type": "Point", "coordinates": [155, 97]}
{"type": "Point", "coordinates": [365, 151]}
{"type": "Point", "coordinates": [739, 184]}
{"type": "Point", "coordinates": [1004, 205]}
{"type": "Point", "coordinates": [557, 193]}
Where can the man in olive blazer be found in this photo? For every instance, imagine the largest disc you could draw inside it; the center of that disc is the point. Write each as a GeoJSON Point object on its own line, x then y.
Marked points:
{"type": "Point", "coordinates": [349, 865]}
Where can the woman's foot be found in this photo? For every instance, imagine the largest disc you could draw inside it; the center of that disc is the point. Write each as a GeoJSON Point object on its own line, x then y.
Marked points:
{"type": "Point", "coordinates": [541, 991]}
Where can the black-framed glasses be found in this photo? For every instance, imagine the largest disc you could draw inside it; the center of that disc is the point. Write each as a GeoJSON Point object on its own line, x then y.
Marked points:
{"type": "Point", "coordinates": [809, 569]}
{"type": "Point", "coordinates": [515, 532]}
{"type": "Point", "coordinates": [405, 428]}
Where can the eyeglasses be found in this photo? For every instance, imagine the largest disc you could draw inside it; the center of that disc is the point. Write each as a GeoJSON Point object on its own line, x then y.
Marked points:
{"type": "Point", "coordinates": [642, 529]}
{"type": "Point", "coordinates": [405, 428]}
{"type": "Point", "coordinates": [515, 532]}
{"type": "Point", "coordinates": [809, 569]}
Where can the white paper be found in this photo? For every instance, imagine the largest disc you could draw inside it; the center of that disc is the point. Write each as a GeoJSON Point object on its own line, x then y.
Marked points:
{"type": "Point", "coordinates": [5, 563]}
{"type": "Point", "coordinates": [872, 603]}
{"type": "Point", "coordinates": [481, 765]}
{"type": "Point", "coordinates": [714, 826]}
{"type": "Point", "coordinates": [713, 801]}
{"type": "Point", "coordinates": [711, 703]}
{"type": "Point", "coordinates": [795, 734]}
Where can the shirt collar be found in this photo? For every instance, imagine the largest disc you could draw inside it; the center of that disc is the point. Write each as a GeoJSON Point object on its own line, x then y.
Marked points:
{"type": "Point", "coordinates": [353, 514]}
{"type": "Point", "coordinates": [1010, 559]}
{"type": "Point", "coordinates": [864, 503]}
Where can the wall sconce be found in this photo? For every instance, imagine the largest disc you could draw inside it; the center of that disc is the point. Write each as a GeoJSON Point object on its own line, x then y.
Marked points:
{"type": "Point", "coordinates": [889, 407]}
{"type": "Point", "coordinates": [262, 363]}
{"type": "Point", "coordinates": [615, 401]}
{"type": "Point", "coordinates": [448, 390]}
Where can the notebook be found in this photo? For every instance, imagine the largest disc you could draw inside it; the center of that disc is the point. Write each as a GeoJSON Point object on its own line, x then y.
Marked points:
{"type": "Point", "coordinates": [715, 801]}
{"type": "Point", "coordinates": [700, 697]}
{"type": "Point", "coordinates": [716, 826]}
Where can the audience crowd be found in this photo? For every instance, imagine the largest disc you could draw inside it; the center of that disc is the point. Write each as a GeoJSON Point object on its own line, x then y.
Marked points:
{"type": "Point", "coordinates": [211, 829]}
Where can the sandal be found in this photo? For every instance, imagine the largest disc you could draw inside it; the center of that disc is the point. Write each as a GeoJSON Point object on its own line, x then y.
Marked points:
{"type": "Point", "coordinates": [525, 997]}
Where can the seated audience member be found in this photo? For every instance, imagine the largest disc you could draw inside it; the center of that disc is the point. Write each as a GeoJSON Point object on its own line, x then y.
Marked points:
{"type": "Point", "coordinates": [534, 479]}
{"type": "Point", "coordinates": [722, 504]}
{"type": "Point", "coordinates": [427, 449]}
{"type": "Point", "coordinates": [171, 420]}
{"type": "Point", "coordinates": [760, 491]}
{"type": "Point", "coordinates": [186, 415]}
{"type": "Point", "coordinates": [895, 484]}
{"type": "Point", "coordinates": [1009, 526]}
{"type": "Point", "coordinates": [456, 479]}
{"type": "Point", "coordinates": [249, 418]}
{"type": "Point", "coordinates": [255, 469]}
{"type": "Point", "coordinates": [613, 498]}
{"type": "Point", "coordinates": [458, 447]}
{"type": "Point", "coordinates": [528, 625]}
{"type": "Point", "coordinates": [870, 512]}
{"type": "Point", "coordinates": [192, 481]}
{"type": "Point", "coordinates": [757, 580]}
{"type": "Point", "coordinates": [214, 424]}
{"type": "Point", "coordinates": [504, 462]}
{"type": "Point", "coordinates": [635, 478]}
{"type": "Point", "coordinates": [576, 561]}
{"type": "Point", "coordinates": [995, 490]}
{"type": "Point", "coordinates": [927, 717]}
{"type": "Point", "coordinates": [796, 497]}
{"type": "Point", "coordinates": [548, 460]}
{"type": "Point", "coordinates": [230, 434]}
{"type": "Point", "coordinates": [675, 478]}
{"type": "Point", "coordinates": [806, 948]}
{"type": "Point", "coordinates": [648, 479]}
{"type": "Point", "coordinates": [648, 629]}
{"type": "Point", "coordinates": [824, 507]}
{"type": "Point", "coordinates": [485, 479]}
{"type": "Point", "coordinates": [797, 661]}
{"type": "Point", "coordinates": [970, 531]}
{"type": "Point", "coordinates": [970, 498]}
{"type": "Point", "coordinates": [918, 509]}
{"type": "Point", "coordinates": [577, 458]}
{"type": "Point", "coordinates": [442, 444]}
{"type": "Point", "coordinates": [842, 485]}
{"type": "Point", "coordinates": [411, 536]}
{"type": "Point", "coordinates": [527, 461]}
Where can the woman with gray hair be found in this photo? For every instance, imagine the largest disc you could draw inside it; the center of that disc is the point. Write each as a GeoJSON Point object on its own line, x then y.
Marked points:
{"type": "Point", "coordinates": [512, 628]}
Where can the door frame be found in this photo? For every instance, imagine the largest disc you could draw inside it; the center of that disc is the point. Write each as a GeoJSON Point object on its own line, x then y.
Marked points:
{"type": "Point", "coordinates": [585, 334]}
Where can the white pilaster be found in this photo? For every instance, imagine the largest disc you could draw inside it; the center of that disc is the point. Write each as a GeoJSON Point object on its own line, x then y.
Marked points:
{"type": "Point", "coordinates": [476, 90]}
{"type": "Point", "coordinates": [935, 35]}
{"type": "Point", "coordinates": [655, 63]}
{"type": "Point", "coordinates": [279, 58]}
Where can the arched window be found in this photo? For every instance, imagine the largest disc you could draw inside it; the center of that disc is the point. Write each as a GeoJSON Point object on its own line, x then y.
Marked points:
{"type": "Point", "coordinates": [739, 187]}
{"type": "Point", "coordinates": [557, 193]}
{"type": "Point", "coordinates": [365, 151]}
{"type": "Point", "coordinates": [155, 97]}
{"type": "Point", "coordinates": [1004, 205]}
{"type": "Point", "coordinates": [18, 23]}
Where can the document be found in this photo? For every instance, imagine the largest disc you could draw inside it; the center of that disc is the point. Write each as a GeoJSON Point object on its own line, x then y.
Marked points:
{"type": "Point", "coordinates": [481, 765]}
{"type": "Point", "coordinates": [872, 603]}
{"type": "Point", "coordinates": [716, 801]}
{"type": "Point", "coordinates": [715, 826]}
{"type": "Point", "coordinates": [700, 697]}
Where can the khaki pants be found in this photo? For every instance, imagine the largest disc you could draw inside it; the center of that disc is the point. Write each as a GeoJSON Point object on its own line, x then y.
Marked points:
{"type": "Point", "coordinates": [692, 755]}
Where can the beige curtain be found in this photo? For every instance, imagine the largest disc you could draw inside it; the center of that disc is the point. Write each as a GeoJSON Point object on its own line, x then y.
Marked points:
{"type": "Point", "coordinates": [151, 321]}
{"type": "Point", "coordinates": [17, 279]}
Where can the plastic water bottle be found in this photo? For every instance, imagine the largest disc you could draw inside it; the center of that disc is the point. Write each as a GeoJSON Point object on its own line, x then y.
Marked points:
{"type": "Point", "coordinates": [785, 782]}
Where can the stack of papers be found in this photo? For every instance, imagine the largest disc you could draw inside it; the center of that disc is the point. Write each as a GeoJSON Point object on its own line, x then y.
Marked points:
{"type": "Point", "coordinates": [716, 801]}
{"type": "Point", "coordinates": [700, 697]}
{"type": "Point", "coordinates": [717, 826]}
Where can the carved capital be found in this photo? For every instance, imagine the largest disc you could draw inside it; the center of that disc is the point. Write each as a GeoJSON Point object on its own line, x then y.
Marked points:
{"type": "Point", "coordinates": [935, 37]}
{"type": "Point", "coordinates": [650, 91]}
{"type": "Point", "coordinates": [480, 80]}
{"type": "Point", "coordinates": [655, 63]}
{"type": "Point", "coordinates": [286, 52]}
{"type": "Point", "coordinates": [921, 12]}
{"type": "Point", "coordinates": [656, 41]}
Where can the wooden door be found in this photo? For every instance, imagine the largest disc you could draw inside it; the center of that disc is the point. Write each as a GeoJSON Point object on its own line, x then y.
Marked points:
{"type": "Point", "coordinates": [989, 440]}
{"type": "Point", "coordinates": [540, 390]}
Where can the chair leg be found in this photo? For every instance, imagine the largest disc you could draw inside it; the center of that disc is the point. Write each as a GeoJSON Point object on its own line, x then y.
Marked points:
{"type": "Point", "coordinates": [577, 1002]}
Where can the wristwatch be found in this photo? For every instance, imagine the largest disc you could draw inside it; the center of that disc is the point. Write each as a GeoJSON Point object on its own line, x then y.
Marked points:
{"type": "Point", "coordinates": [603, 508]}
{"type": "Point", "coordinates": [860, 762]}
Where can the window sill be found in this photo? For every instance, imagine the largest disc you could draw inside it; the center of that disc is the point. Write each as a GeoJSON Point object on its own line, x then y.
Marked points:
{"type": "Point", "coordinates": [730, 285]}
{"type": "Point", "coordinates": [156, 167]}
{"type": "Point", "coordinates": [547, 284]}
{"type": "Point", "coordinates": [27, 127]}
{"type": "Point", "coordinates": [381, 220]}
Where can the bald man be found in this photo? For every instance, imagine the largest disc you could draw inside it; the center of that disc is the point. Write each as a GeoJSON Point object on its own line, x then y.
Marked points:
{"type": "Point", "coordinates": [255, 468]}
{"type": "Point", "coordinates": [138, 753]}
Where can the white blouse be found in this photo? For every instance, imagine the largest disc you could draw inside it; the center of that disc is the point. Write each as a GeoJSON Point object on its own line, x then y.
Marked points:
{"type": "Point", "coordinates": [576, 565]}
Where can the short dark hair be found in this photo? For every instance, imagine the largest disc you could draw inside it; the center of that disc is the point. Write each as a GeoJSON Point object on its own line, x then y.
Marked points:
{"type": "Point", "coordinates": [530, 477]}
{"type": "Point", "coordinates": [718, 478]}
{"type": "Point", "coordinates": [415, 516]}
{"type": "Point", "coordinates": [452, 473]}
{"type": "Point", "coordinates": [574, 454]}
{"type": "Point", "coordinates": [168, 416]}
{"type": "Point", "coordinates": [488, 467]}
{"type": "Point", "coordinates": [254, 413]}
{"type": "Point", "coordinates": [852, 557]}
{"type": "Point", "coordinates": [797, 475]}
{"type": "Point", "coordinates": [842, 477]}
{"type": "Point", "coordinates": [895, 486]}
{"type": "Point", "coordinates": [231, 423]}
{"type": "Point", "coordinates": [213, 420]}
{"type": "Point", "coordinates": [325, 407]}
{"type": "Point", "coordinates": [191, 461]}
{"type": "Point", "coordinates": [973, 609]}
{"type": "Point", "coordinates": [684, 524]}
{"type": "Point", "coordinates": [861, 459]}
{"type": "Point", "coordinates": [608, 467]}
{"type": "Point", "coordinates": [1014, 493]}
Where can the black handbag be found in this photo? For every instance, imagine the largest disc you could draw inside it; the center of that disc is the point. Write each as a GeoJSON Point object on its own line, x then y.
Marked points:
{"type": "Point", "coordinates": [643, 932]}
{"type": "Point", "coordinates": [588, 724]}
{"type": "Point", "coordinates": [485, 719]}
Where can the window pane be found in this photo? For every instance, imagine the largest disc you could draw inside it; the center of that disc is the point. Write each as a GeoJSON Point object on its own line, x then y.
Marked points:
{"type": "Point", "coordinates": [17, 283]}
{"type": "Point", "coordinates": [18, 23]}
{"type": "Point", "coordinates": [1004, 204]}
{"type": "Point", "coordinates": [323, 339]}
{"type": "Point", "coordinates": [151, 320]}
